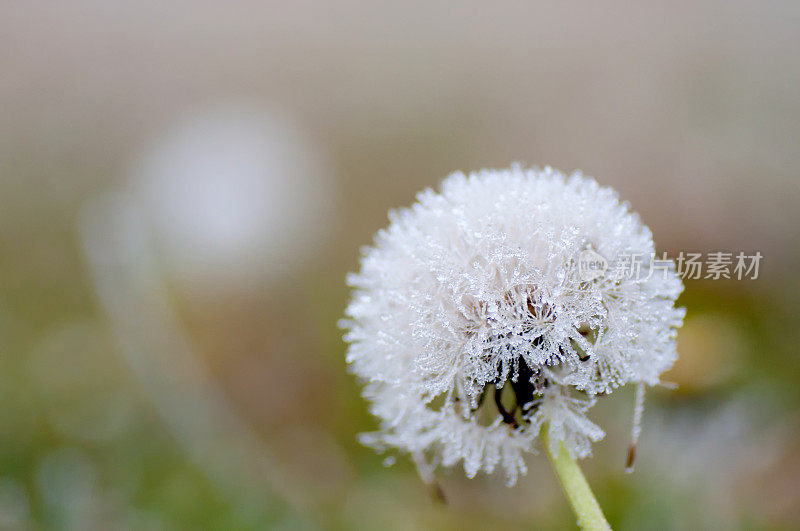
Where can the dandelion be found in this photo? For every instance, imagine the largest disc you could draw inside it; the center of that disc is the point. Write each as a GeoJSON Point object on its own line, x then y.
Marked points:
{"type": "Point", "coordinates": [478, 335]}
{"type": "Point", "coordinates": [233, 195]}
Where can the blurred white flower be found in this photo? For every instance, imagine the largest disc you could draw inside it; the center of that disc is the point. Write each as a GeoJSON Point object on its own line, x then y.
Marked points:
{"type": "Point", "coordinates": [472, 328]}
{"type": "Point", "coordinates": [235, 194]}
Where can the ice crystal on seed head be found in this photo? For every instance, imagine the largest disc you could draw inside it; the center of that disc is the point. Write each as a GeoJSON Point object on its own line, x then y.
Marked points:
{"type": "Point", "coordinates": [473, 328]}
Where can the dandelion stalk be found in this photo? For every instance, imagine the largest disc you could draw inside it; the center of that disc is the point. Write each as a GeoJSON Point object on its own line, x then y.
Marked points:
{"type": "Point", "coordinates": [577, 490]}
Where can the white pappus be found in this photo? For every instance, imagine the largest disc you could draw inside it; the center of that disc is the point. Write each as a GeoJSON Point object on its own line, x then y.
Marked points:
{"type": "Point", "coordinates": [473, 326]}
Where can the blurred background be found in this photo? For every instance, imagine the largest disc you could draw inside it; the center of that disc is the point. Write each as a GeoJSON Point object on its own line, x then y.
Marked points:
{"type": "Point", "coordinates": [183, 188]}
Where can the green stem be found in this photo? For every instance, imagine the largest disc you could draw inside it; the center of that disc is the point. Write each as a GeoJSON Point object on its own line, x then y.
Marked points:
{"type": "Point", "coordinates": [583, 502]}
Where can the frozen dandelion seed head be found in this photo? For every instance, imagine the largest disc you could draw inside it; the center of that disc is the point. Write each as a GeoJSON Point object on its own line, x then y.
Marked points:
{"type": "Point", "coordinates": [473, 328]}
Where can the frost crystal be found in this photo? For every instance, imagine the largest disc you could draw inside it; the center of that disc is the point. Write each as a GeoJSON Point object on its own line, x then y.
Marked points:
{"type": "Point", "coordinates": [473, 327]}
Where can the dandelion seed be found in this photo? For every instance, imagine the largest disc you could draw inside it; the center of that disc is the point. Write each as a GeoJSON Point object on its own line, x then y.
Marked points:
{"type": "Point", "coordinates": [636, 429]}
